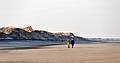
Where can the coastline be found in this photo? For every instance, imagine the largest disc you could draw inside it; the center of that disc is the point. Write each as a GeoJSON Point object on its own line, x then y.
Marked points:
{"type": "Point", "coordinates": [28, 47]}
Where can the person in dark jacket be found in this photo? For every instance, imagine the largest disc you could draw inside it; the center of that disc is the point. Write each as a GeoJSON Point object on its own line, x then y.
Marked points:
{"type": "Point", "coordinates": [72, 42]}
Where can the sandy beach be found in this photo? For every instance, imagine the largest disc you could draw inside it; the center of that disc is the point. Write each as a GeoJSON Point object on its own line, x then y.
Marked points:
{"type": "Point", "coordinates": [82, 53]}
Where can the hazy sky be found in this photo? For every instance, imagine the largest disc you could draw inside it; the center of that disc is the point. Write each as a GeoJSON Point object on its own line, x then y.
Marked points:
{"type": "Point", "coordinates": [87, 18]}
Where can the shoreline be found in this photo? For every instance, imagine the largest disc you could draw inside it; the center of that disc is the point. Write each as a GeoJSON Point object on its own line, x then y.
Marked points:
{"type": "Point", "coordinates": [48, 45]}
{"type": "Point", "coordinates": [28, 47]}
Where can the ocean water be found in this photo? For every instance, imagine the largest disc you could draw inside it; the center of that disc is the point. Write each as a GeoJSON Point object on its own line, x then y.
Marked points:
{"type": "Point", "coordinates": [30, 43]}
{"type": "Point", "coordinates": [25, 43]}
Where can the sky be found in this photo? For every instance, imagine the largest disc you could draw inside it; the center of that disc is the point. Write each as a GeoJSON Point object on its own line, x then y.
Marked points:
{"type": "Point", "coordinates": [86, 18]}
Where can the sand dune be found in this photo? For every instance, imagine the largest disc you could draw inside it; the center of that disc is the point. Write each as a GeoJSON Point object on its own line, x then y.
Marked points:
{"type": "Point", "coordinates": [83, 53]}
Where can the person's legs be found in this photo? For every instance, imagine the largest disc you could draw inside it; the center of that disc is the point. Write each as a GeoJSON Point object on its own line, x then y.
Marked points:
{"type": "Point", "coordinates": [68, 45]}
{"type": "Point", "coordinates": [72, 45]}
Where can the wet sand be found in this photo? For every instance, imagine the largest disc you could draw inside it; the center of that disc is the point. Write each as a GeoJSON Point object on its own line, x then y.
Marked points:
{"type": "Point", "coordinates": [82, 53]}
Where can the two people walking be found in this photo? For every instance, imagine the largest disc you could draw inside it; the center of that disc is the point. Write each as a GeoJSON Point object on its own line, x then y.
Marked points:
{"type": "Point", "coordinates": [70, 42]}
